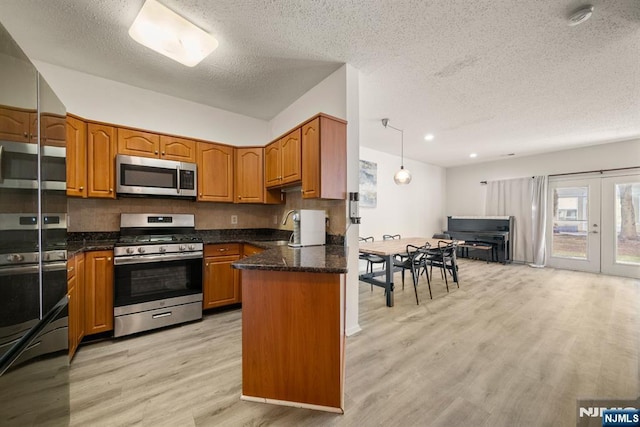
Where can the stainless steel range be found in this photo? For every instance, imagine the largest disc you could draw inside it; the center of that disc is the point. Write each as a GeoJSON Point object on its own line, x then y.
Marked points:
{"type": "Point", "coordinates": [158, 272]}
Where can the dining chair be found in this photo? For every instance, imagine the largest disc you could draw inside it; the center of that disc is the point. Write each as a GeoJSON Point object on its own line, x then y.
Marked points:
{"type": "Point", "coordinates": [398, 258]}
{"type": "Point", "coordinates": [390, 236]}
{"type": "Point", "coordinates": [414, 261]}
{"type": "Point", "coordinates": [370, 258]}
{"type": "Point", "coordinates": [443, 257]}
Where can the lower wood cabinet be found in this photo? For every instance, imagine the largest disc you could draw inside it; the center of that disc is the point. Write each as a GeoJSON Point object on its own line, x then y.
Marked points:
{"type": "Point", "coordinates": [75, 288]}
{"type": "Point", "coordinates": [98, 295]}
{"type": "Point", "coordinates": [221, 282]}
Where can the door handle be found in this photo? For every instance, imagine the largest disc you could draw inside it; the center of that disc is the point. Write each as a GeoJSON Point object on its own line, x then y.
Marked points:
{"type": "Point", "coordinates": [594, 232]}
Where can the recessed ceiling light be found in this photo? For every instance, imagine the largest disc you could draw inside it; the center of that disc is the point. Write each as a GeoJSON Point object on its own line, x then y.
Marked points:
{"type": "Point", "coordinates": [168, 33]}
{"type": "Point", "coordinates": [473, 155]}
{"type": "Point", "coordinates": [580, 15]}
{"type": "Point", "coordinates": [429, 137]}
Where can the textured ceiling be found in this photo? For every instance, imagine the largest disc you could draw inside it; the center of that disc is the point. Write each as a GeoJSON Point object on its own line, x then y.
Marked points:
{"type": "Point", "coordinates": [492, 77]}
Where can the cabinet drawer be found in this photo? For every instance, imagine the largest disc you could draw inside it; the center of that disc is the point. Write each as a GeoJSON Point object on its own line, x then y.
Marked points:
{"type": "Point", "coordinates": [222, 249]}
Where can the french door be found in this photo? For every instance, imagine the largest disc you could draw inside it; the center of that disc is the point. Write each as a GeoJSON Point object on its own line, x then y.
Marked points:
{"type": "Point", "coordinates": [594, 224]}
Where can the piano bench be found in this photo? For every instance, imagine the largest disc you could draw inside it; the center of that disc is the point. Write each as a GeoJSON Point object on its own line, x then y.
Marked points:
{"type": "Point", "coordinates": [465, 250]}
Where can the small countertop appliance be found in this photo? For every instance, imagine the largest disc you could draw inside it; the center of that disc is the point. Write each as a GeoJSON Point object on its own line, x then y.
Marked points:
{"type": "Point", "coordinates": [308, 227]}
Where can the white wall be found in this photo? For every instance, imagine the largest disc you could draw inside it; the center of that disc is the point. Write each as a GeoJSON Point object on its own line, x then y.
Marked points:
{"type": "Point", "coordinates": [466, 196]}
{"type": "Point", "coordinates": [328, 96]}
{"type": "Point", "coordinates": [413, 210]}
{"type": "Point", "coordinates": [109, 101]}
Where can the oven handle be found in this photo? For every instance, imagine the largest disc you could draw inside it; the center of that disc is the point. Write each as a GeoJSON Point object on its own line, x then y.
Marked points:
{"type": "Point", "coordinates": [1, 176]}
{"type": "Point", "coordinates": [140, 259]}
{"type": "Point", "coordinates": [178, 179]}
{"type": "Point", "coordinates": [30, 269]}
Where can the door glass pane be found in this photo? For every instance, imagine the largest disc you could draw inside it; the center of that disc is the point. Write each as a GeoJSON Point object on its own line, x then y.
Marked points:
{"type": "Point", "coordinates": [570, 222]}
{"type": "Point", "coordinates": [628, 223]}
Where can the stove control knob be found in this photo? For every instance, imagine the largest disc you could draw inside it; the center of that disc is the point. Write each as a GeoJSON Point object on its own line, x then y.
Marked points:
{"type": "Point", "coordinates": [15, 258]}
{"type": "Point", "coordinates": [163, 249]}
{"type": "Point", "coordinates": [182, 248]}
{"type": "Point", "coordinates": [129, 250]}
{"type": "Point", "coordinates": [192, 247]}
{"type": "Point", "coordinates": [141, 250]}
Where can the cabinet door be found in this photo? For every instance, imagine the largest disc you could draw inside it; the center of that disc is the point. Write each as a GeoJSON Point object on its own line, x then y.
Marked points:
{"type": "Point", "coordinates": [76, 157]}
{"type": "Point", "coordinates": [221, 281]}
{"type": "Point", "coordinates": [101, 161]}
{"type": "Point", "coordinates": [180, 149]}
{"type": "Point", "coordinates": [215, 173]}
{"type": "Point", "coordinates": [52, 130]}
{"type": "Point", "coordinates": [80, 290]}
{"type": "Point", "coordinates": [291, 157]}
{"type": "Point", "coordinates": [138, 143]}
{"type": "Point", "coordinates": [15, 125]}
{"type": "Point", "coordinates": [249, 184]}
{"type": "Point", "coordinates": [98, 295]}
{"type": "Point", "coordinates": [272, 164]}
{"type": "Point", "coordinates": [72, 295]}
{"type": "Point", "coordinates": [311, 159]}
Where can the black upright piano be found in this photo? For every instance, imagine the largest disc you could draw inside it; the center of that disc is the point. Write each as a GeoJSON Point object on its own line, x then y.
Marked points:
{"type": "Point", "coordinates": [495, 231]}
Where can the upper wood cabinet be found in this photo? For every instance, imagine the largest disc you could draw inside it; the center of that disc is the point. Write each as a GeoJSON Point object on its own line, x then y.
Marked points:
{"type": "Point", "coordinates": [324, 153]}
{"type": "Point", "coordinates": [138, 143]}
{"type": "Point", "coordinates": [101, 152]}
{"type": "Point", "coordinates": [53, 130]}
{"type": "Point", "coordinates": [283, 160]}
{"type": "Point", "coordinates": [215, 172]}
{"type": "Point", "coordinates": [180, 149]}
{"type": "Point", "coordinates": [249, 175]}
{"type": "Point", "coordinates": [16, 125]}
{"type": "Point", "coordinates": [76, 157]}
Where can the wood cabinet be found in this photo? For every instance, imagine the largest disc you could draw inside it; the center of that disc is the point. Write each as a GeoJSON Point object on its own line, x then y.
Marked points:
{"type": "Point", "coordinates": [138, 143]}
{"type": "Point", "coordinates": [324, 153]}
{"type": "Point", "coordinates": [75, 287]}
{"type": "Point", "coordinates": [180, 149]}
{"type": "Point", "coordinates": [249, 175]}
{"type": "Point", "coordinates": [221, 282]}
{"type": "Point", "coordinates": [53, 130]}
{"type": "Point", "coordinates": [98, 296]}
{"type": "Point", "coordinates": [249, 249]}
{"type": "Point", "coordinates": [283, 161]}
{"type": "Point", "coordinates": [215, 172]}
{"type": "Point", "coordinates": [76, 136]}
{"type": "Point", "coordinates": [17, 125]}
{"type": "Point", "coordinates": [101, 153]}
{"type": "Point", "coordinates": [293, 338]}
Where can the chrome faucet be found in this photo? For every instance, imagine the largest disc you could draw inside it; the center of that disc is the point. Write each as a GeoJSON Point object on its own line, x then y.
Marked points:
{"type": "Point", "coordinates": [286, 216]}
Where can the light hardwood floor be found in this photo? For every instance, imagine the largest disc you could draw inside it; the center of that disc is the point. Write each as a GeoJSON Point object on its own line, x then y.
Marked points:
{"type": "Point", "coordinates": [513, 346]}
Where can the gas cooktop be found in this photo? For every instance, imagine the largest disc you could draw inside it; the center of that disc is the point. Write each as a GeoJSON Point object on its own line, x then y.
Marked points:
{"type": "Point", "coordinates": [150, 239]}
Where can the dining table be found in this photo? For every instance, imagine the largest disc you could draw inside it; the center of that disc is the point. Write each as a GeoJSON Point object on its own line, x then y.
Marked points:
{"type": "Point", "coordinates": [388, 249]}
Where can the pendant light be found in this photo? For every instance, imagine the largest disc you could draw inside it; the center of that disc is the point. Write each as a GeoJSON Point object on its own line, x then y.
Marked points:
{"type": "Point", "coordinates": [403, 176]}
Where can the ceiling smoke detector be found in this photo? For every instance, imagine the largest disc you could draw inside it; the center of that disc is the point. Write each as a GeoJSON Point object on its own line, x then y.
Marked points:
{"type": "Point", "coordinates": [580, 15]}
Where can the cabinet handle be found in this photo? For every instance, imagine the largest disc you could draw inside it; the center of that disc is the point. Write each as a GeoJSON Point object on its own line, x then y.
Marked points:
{"type": "Point", "coordinates": [26, 134]}
{"type": "Point", "coordinates": [108, 258]}
{"type": "Point", "coordinates": [200, 194]}
{"type": "Point", "coordinates": [81, 188]}
{"type": "Point", "coordinates": [163, 153]}
{"type": "Point", "coordinates": [223, 249]}
{"type": "Point", "coordinates": [240, 197]}
{"type": "Point", "coordinates": [156, 152]}
{"type": "Point", "coordinates": [69, 270]}
{"type": "Point", "coordinates": [111, 190]}
{"type": "Point", "coordinates": [207, 264]}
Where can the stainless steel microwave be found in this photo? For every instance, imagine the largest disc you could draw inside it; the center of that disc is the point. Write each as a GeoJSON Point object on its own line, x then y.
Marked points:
{"type": "Point", "coordinates": [155, 177]}
{"type": "Point", "coordinates": [19, 166]}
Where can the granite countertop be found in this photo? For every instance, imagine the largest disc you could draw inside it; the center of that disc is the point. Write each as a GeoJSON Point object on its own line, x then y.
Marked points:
{"type": "Point", "coordinates": [311, 259]}
{"type": "Point", "coordinates": [75, 247]}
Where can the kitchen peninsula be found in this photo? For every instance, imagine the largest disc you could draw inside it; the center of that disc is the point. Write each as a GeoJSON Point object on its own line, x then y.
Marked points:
{"type": "Point", "coordinates": [293, 326]}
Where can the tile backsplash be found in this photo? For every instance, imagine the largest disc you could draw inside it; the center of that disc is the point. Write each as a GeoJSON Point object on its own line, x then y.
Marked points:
{"type": "Point", "coordinates": [103, 215]}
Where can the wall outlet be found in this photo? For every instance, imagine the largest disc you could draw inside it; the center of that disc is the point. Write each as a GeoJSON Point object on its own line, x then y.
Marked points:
{"type": "Point", "coordinates": [234, 219]}
{"type": "Point", "coordinates": [275, 219]}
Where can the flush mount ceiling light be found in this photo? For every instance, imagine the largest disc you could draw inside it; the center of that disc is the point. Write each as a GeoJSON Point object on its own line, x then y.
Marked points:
{"type": "Point", "coordinates": [429, 137]}
{"type": "Point", "coordinates": [580, 15]}
{"type": "Point", "coordinates": [168, 33]}
{"type": "Point", "coordinates": [403, 176]}
{"type": "Point", "coordinates": [473, 155]}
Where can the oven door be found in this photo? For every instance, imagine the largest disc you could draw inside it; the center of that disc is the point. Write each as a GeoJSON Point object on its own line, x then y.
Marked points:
{"type": "Point", "coordinates": [19, 303]}
{"type": "Point", "coordinates": [142, 278]}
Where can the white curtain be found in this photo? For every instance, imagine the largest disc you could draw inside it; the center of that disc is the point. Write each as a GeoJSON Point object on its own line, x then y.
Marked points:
{"type": "Point", "coordinates": [525, 200]}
